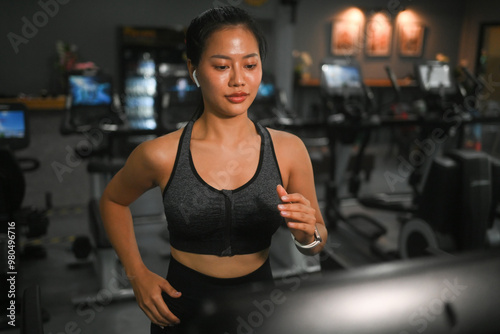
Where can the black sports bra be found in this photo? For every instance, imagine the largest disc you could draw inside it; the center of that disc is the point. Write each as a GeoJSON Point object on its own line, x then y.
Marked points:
{"type": "Point", "coordinates": [205, 220]}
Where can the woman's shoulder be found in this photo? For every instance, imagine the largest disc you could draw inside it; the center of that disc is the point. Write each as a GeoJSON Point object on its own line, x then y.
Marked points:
{"type": "Point", "coordinates": [152, 161]}
{"type": "Point", "coordinates": [285, 140]}
{"type": "Point", "coordinates": [158, 151]}
{"type": "Point", "coordinates": [291, 154]}
{"type": "Point", "coordinates": [288, 147]}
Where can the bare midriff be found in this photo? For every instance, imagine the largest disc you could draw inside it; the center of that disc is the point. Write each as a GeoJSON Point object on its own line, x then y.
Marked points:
{"type": "Point", "coordinates": [222, 267]}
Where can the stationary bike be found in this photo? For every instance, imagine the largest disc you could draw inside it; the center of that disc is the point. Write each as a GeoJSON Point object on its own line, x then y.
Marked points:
{"type": "Point", "coordinates": [444, 215]}
{"type": "Point", "coordinates": [350, 114]}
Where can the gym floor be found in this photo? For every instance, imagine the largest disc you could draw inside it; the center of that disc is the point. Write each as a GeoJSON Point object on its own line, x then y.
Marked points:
{"type": "Point", "coordinates": [66, 281]}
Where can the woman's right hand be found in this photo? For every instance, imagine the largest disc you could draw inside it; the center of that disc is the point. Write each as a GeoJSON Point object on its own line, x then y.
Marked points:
{"type": "Point", "coordinates": [148, 288]}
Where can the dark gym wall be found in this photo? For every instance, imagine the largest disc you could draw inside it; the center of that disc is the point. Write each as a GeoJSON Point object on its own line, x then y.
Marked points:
{"type": "Point", "coordinates": [477, 12]}
{"type": "Point", "coordinates": [89, 24]}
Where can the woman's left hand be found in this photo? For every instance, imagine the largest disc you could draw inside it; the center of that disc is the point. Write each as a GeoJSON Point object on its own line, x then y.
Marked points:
{"type": "Point", "coordinates": [300, 216]}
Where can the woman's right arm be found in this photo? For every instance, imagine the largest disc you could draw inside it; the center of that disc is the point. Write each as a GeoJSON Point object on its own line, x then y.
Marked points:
{"type": "Point", "coordinates": [140, 173]}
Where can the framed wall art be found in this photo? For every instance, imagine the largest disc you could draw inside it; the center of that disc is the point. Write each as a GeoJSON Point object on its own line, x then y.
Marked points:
{"type": "Point", "coordinates": [411, 39]}
{"type": "Point", "coordinates": [345, 37]}
{"type": "Point", "coordinates": [378, 37]}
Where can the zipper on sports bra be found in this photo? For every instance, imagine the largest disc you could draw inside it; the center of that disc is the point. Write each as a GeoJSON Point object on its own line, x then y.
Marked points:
{"type": "Point", "coordinates": [228, 222]}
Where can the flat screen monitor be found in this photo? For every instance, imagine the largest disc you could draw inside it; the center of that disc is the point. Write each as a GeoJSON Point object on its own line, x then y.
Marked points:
{"type": "Point", "coordinates": [90, 90]}
{"type": "Point", "coordinates": [90, 98]}
{"type": "Point", "coordinates": [266, 92]}
{"type": "Point", "coordinates": [13, 126]}
{"type": "Point", "coordinates": [435, 77]}
{"type": "Point", "coordinates": [341, 78]}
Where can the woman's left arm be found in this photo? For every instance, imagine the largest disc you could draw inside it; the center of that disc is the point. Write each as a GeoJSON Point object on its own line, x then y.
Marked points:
{"type": "Point", "coordinates": [298, 194]}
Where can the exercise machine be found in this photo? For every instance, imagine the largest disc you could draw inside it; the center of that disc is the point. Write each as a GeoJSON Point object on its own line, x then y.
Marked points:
{"type": "Point", "coordinates": [452, 294]}
{"type": "Point", "coordinates": [95, 111]}
{"type": "Point", "coordinates": [22, 223]}
{"type": "Point", "coordinates": [91, 102]}
{"type": "Point", "coordinates": [349, 112]}
{"type": "Point", "coordinates": [449, 209]}
{"type": "Point", "coordinates": [14, 135]}
{"type": "Point", "coordinates": [428, 120]}
{"type": "Point", "coordinates": [455, 208]}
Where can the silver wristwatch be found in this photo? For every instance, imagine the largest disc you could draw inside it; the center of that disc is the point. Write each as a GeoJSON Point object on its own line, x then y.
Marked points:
{"type": "Point", "coordinates": [317, 240]}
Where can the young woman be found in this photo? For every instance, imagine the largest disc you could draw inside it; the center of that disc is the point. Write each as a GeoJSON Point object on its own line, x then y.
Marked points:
{"type": "Point", "coordinates": [228, 183]}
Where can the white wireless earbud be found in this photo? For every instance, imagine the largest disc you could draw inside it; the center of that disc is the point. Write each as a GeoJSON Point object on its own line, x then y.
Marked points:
{"type": "Point", "coordinates": [196, 79]}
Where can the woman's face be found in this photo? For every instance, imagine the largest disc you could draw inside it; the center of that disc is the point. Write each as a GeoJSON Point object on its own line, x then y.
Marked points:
{"type": "Point", "coordinates": [230, 71]}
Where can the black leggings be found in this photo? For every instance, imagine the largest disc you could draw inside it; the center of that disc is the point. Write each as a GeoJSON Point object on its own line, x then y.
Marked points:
{"type": "Point", "coordinates": [196, 286]}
